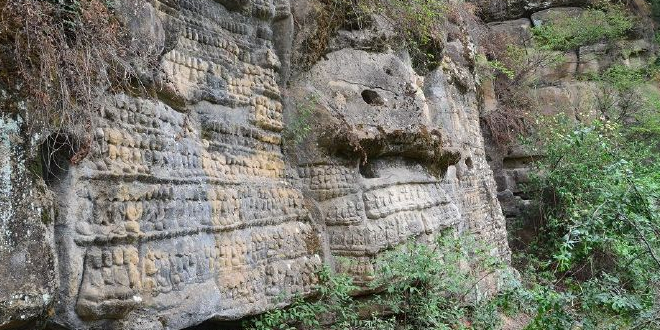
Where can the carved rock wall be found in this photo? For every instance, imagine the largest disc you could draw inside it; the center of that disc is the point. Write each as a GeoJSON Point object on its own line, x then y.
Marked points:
{"type": "Point", "coordinates": [188, 207]}
{"type": "Point", "coordinates": [185, 213]}
{"type": "Point", "coordinates": [402, 126]}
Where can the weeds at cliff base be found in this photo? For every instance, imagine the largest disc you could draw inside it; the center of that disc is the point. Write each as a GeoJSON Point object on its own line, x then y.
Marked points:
{"type": "Point", "coordinates": [420, 285]}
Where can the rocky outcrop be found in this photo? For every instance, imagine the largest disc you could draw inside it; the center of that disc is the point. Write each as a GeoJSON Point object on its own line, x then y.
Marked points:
{"type": "Point", "coordinates": [27, 274]}
{"type": "Point", "coordinates": [498, 11]}
{"type": "Point", "coordinates": [392, 155]}
{"type": "Point", "coordinates": [557, 89]}
{"type": "Point", "coordinates": [188, 195]}
{"type": "Point", "coordinates": [188, 208]}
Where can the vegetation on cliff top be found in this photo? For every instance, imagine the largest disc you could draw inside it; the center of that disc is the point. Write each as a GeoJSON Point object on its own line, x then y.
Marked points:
{"type": "Point", "coordinates": [604, 22]}
{"type": "Point", "coordinates": [420, 26]}
{"type": "Point", "coordinates": [57, 59]}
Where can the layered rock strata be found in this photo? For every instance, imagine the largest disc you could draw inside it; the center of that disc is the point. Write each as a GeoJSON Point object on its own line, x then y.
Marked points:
{"type": "Point", "coordinates": [558, 89]}
{"type": "Point", "coordinates": [187, 208]}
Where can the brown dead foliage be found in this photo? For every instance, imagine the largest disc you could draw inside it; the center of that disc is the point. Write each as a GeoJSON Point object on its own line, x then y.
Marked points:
{"type": "Point", "coordinates": [512, 119]}
{"type": "Point", "coordinates": [57, 58]}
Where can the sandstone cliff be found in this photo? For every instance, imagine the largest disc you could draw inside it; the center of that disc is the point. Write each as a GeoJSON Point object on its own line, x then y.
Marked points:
{"type": "Point", "coordinates": [211, 200]}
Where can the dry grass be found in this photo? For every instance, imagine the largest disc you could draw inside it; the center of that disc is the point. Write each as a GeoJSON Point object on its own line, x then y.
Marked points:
{"type": "Point", "coordinates": [419, 25]}
{"type": "Point", "coordinates": [511, 119]}
{"type": "Point", "coordinates": [60, 59]}
{"type": "Point", "coordinates": [328, 17]}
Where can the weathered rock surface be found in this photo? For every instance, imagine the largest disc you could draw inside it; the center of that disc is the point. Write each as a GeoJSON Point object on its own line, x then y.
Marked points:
{"type": "Point", "coordinates": [184, 212]}
{"type": "Point", "coordinates": [187, 209]}
{"type": "Point", "coordinates": [393, 155]}
{"type": "Point", "coordinates": [27, 271]}
{"type": "Point", "coordinates": [511, 9]}
{"type": "Point", "coordinates": [557, 89]}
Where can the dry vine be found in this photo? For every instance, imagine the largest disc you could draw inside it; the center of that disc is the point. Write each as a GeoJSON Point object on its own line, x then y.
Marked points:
{"type": "Point", "coordinates": [60, 57]}
{"type": "Point", "coordinates": [512, 117]}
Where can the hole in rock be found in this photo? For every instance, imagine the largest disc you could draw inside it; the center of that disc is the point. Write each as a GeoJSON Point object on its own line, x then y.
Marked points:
{"type": "Point", "coordinates": [469, 163]}
{"type": "Point", "coordinates": [372, 97]}
{"type": "Point", "coordinates": [388, 72]}
{"type": "Point", "coordinates": [56, 152]}
{"type": "Point", "coordinates": [367, 171]}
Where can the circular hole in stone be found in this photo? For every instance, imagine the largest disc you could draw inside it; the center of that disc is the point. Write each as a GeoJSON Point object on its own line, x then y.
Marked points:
{"type": "Point", "coordinates": [371, 97]}
{"type": "Point", "coordinates": [469, 163]}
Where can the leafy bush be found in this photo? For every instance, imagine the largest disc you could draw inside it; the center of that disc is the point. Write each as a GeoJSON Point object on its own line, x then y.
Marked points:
{"type": "Point", "coordinates": [428, 285]}
{"type": "Point", "coordinates": [598, 183]}
{"type": "Point", "coordinates": [648, 122]}
{"type": "Point", "coordinates": [333, 301]}
{"type": "Point", "coordinates": [418, 285]}
{"type": "Point", "coordinates": [606, 22]}
{"type": "Point", "coordinates": [599, 196]}
{"type": "Point", "coordinates": [296, 131]}
{"type": "Point", "coordinates": [594, 261]}
{"type": "Point", "coordinates": [627, 96]}
{"type": "Point", "coordinates": [512, 69]}
{"type": "Point", "coordinates": [655, 9]}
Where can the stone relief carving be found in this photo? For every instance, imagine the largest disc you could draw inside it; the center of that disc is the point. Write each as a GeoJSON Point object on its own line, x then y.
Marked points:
{"type": "Point", "coordinates": [184, 212]}
{"type": "Point", "coordinates": [190, 206]}
{"type": "Point", "coordinates": [369, 160]}
{"type": "Point", "coordinates": [388, 158]}
{"type": "Point", "coordinates": [189, 210]}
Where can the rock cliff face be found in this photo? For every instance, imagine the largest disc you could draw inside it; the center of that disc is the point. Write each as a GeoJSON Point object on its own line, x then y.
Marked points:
{"type": "Point", "coordinates": [559, 89]}
{"type": "Point", "coordinates": [27, 252]}
{"type": "Point", "coordinates": [190, 207]}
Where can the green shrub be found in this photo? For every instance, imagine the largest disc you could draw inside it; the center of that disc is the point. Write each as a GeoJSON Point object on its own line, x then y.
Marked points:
{"type": "Point", "coordinates": [608, 22]}
{"type": "Point", "coordinates": [648, 121]}
{"type": "Point", "coordinates": [599, 194]}
{"type": "Point", "coordinates": [297, 130]}
{"type": "Point", "coordinates": [490, 68]}
{"type": "Point", "coordinates": [513, 70]}
{"type": "Point", "coordinates": [595, 257]}
{"type": "Point", "coordinates": [419, 286]}
{"type": "Point", "coordinates": [333, 301]}
{"type": "Point", "coordinates": [429, 285]}
{"type": "Point", "coordinates": [655, 9]}
{"type": "Point", "coordinates": [601, 185]}
{"type": "Point", "coordinates": [627, 95]}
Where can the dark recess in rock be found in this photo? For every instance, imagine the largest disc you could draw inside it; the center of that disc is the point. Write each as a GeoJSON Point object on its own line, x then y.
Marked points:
{"type": "Point", "coordinates": [372, 97]}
